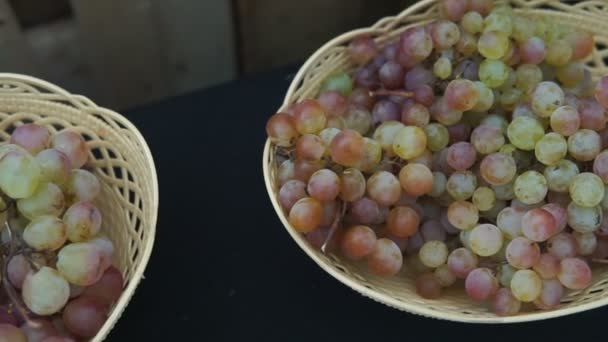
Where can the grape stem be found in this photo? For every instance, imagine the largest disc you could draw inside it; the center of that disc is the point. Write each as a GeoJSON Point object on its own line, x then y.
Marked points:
{"type": "Point", "coordinates": [385, 92]}
{"type": "Point", "coordinates": [334, 226]}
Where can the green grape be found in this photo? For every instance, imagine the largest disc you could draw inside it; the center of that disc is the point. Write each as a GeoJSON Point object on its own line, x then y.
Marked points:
{"type": "Point", "coordinates": [547, 97]}
{"type": "Point", "coordinates": [523, 29]}
{"type": "Point", "coordinates": [484, 198]}
{"type": "Point", "coordinates": [530, 187]}
{"type": "Point", "coordinates": [442, 68]}
{"type": "Point", "coordinates": [437, 136]}
{"type": "Point", "coordinates": [524, 132]}
{"type": "Point", "coordinates": [19, 174]}
{"type": "Point", "coordinates": [510, 97]}
{"type": "Point", "coordinates": [486, 97]}
{"type": "Point", "coordinates": [410, 142]}
{"type": "Point", "coordinates": [587, 189]}
{"type": "Point", "coordinates": [493, 72]}
{"type": "Point", "coordinates": [341, 83]}
{"type": "Point", "coordinates": [498, 21]}
{"type": "Point", "coordinates": [385, 135]}
{"type": "Point", "coordinates": [433, 254]}
{"type": "Point", "coordinates": [584, 145]}
{"type": "Point", "coordinates": [493, 44]}
{"type": "Point", "coordinates": [528, 77]}
{"type": "Point", "coordinates": [551, 148]}
{"type": "Point", "coordinates": [472, 22]}
{"type": "Point", "coordinates": [559, 53]}
{"type": "Point", "coordinates": [461, 185]}
{"type": "Point", "coordinates": [584, 219]}
{"type": "Point", "coordinates": [560, 175]}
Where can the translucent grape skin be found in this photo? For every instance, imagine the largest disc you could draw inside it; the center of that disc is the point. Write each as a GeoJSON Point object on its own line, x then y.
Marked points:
{"type": "Point", "coordinates": [530, 187]}
{"type": "Point", "coordinates": [584, 145]}
{"type": "Point", "coordinates": [48, 199]}
{"type": "Point", "coordinates": [386, 259]}
{"type": "Point", "coordinates": [347, 148]}
{"type": "Point", "coordinates": [84, 316]}
{"type": "Point", "coordinates": [291, 192]}
{"type": "Point", "coordinates": [358, 242]}
{"type": "Point", "coordinates": [45, 292]}
{"type": "Point", "coordinates": [498, 169]}
{"type": "Point", "coordinates": [80, 263]}
{"type": "Point", "coordinates": [304, 216]}
{"type": "Point", "coordinates": [526, 285]}
{"type": "Point", "coordinates": [364, 210]}
{"type": "Point", "coordinates": [505, 303]}
{"type": "Point", "coordinates": [19, 267]}
{"type": "Point", "coordinates": [427, 286]}
{"type": "Point", "coordinates": [280, 128]}
{"type": "Point", "coordinates": [362, 49]}
{"type": "Point", "coordinates": [485, 239]}
{"type": "Point", "coordinates": [487, 139]}
{"type": "Point", "coordinates": [82, 185]}
{"type": "Point", "coordinates": [461, 262]}
{"type": "Point", "coordinates": [582, 44]}
{"type": "Point", "coordinates": [416, 179]}
{"type": "Point", "coordinates": [509, 222]}
{"type": "Point", "coordinates": [601, 91]}
{"type": "Point", "coordinates": [551, 294]}
{"type": "Point", "coordinates": [19, 174]}
{"type": "Point", "coordinates": [461, 95]}
{"type": "Point", "coordinates": [385, 110]}
{"type": "Point", "coordinates": [324, 185]}
{"type": "Point", "coordinates": [584, 219]}
{"type": "Point", "coordinates": [73, 146]}
{"type": "Point", "coordinates": [403, 221]}
{"type": "Point", "coordinates": [45, 233]}
{"type": "Point", "coordinates": [562, 246]}
{"type": "Point", "coordinates": [32, 137]}
{"type": "Point", "coordinates": [310, 147]}
{"type": "Point", "coordinates": [461, 156]}
{"type": "Point", "coordinates": [333, 103]}
{"type": "Point", "coordinates": [416, 44]}
{"type": "Point", "coordinates": [559, 214]}
{"type": "Point", "coordinates": [522, 253]}
{"type": "Point", "coordinates": [83, 221]}
{"type": "Point", "coordinates": [565, 120]}
{"type": "Point", "coordinates": [586, 189]}
{"type": "Point", "coordinates": [433, 253]}
{"type": "Point", "coordinates": [463, 215]}
{"type": "Point", "coordinates": [481, 284]}
{"type": "Point", "coordinates": [539, 225]}
{"type": "Point", "coordinates": [533, 51]}
{"type": "Point", "coordinates": [547, 266]}
{"type": "Point", "coordinates": [574, 274]}
{"type": "Point", "coordinates": [352, 185]}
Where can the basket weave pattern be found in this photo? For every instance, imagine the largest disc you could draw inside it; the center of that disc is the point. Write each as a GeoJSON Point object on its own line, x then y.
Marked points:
{"type": "Point", "coordinates": [399, 291]}
{"type": "Point", "coordinates": [119, 157]}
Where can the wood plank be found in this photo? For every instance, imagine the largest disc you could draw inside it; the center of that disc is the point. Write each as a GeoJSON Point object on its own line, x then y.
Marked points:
{"type": "Point", "coordinates": [197, 39]}
{"type": "Point", "coordinates": [15, 55]}
{"type": "Point", "coordinates": [122, 50]}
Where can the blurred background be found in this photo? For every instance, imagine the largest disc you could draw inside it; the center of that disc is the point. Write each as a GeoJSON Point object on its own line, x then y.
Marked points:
{"type": "Point", "coordinates": [123, 53]}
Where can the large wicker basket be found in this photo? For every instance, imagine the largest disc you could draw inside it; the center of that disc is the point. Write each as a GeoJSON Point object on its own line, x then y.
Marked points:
{"type": "Point", "coordinates": [398, 291]}
{"type": "Point", "coordinates": [119, 157]}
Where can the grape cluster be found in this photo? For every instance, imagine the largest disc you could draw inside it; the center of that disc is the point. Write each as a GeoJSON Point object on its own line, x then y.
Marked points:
{"type": "Point", "coordinates": [470, 150]}
{"type": "Point", "coordinates": [57, 262]}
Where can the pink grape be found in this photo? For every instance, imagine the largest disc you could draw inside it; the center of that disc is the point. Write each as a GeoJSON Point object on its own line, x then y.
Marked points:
{"type": "Point", "coordinates": [601, 91]}
{"type": "Point", "coordinates": [461, 262]}
{"type": "Point", "coordinates": [586, 242]}
{"type": "Point", "coordinates": [362, 49]}
{"type": "Point", "coordinates": [559, 214]}
{"type": "Point", "coordinates": [505, 303]}
{"type": "Point", "coordinates": [445, 34]}
{"type": "Point", "coordinates": [285, 173]}
{"type": "Point", "coordinates": [365, 210]}
{"type": "Point", "coordinates": [427, 286]}
{"type": "Point", "coordinates": [391, 75]}
{"type": "Point", "coordinates": [461, 95]}
{"type": "Point", "coordinates": [41, 331]}
{"type": "Point", "coordinates": [487, 139]}
{"type": "Point", "coordinates": [574, 273]}
{"type": "Point", "coordinates": [367, 77]}
{"type": "Point", "coordinates": [562, 246]}
{"type": "Point", "coordinates": [72, 145]}
{"type": "Point", "coordinates": [82, 221]}
{"type": "Point", "coordinates": [415, 44]}
{"type": "Point", "coordinates": [324, 185]}
{"type": "Point", "coordinates": [498, 168]}
{"type": "Point", "coordinates": [582, 44]}
{"type": "Point", "coordinates": [361, 97]}
{"type": "Point", "coordinates": [509, 222]}
{"type": "Point", "coordinates": [291, 192]}
{"type": "Point", "coordinates": [84, 316]}
{"type": "Point", "coordinates": [82, 185]}
{"type": "Point", "coordinates": [358, 242]}
{"type": "Point", "coordinates": [419, 76]}
{"type": "Point", "coordinates": [550, 295]}
{"type": "Point", "coordinates": [347, 148]}
{"type": "Point", "coordinates": [403, 221]}
{"type": "Point", "coordinates": [32, 137]}
{"type": "Point", "coordinates": [443, 113]}
{"type": "Point", "coordinates": [538, 225]}
{"type": "Point", "coordinates": [533, 51]}
{"type": "Point", "coordinates": [481, 284]}
{"type": "Point", "coordinates": [280, 128]}
{"type": "Point", "coordinates": [302, 170]}
{"type": "Point", "coordinates": [415, 115]}
{"type": "Point", "coordinates": [384, 188]}
{"type": "Point", "coordinates": [547, 266]}
{"type": "Point", "coordinates": [424, 95]}
{"type": "Point", "coordinates": [386, 259]}
{"type": "Point", "coordinates": [592, 114]}
{"type": "Point", "coordinates": [310, 147]}
{"type": "Point", "coordinates": [352, 185]}
{"type": "Point", "coordinates": [459, 132]}
{"type": "Point", "coordinates": [522, 253]}
{"type": "Point", "coordinates": [416, 179]}
{"type": "Point", "coordinates": [432, 230]}
{"type": "Point", "coordinates": [333, 103]}
{"type": "Point", "coordinates": [385, 110]}
{"type": "Point", "coordinates": [482, 7]}
{"type": "Point", "coordinates": [565, 120]}
{"type": "Point", "coordinates": [463, 215]}
{"type": "Point", "coordinates": [453, 9]}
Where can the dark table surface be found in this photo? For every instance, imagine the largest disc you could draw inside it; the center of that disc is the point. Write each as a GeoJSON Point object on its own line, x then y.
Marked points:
{"type": "Point", "coordinates": [223, 267]}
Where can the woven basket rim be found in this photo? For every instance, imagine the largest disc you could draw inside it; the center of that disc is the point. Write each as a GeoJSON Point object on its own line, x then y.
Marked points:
{"type": "Point", "coordinates": [419, 309]}
{"type": "Point", "coordinates": [79, 101]}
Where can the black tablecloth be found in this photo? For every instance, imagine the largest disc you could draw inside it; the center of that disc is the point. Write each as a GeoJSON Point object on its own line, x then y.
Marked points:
{"type": "Point", "coordinates": [223, 267]}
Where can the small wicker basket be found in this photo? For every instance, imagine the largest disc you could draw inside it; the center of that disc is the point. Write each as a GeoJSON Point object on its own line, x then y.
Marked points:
{"type": "Point", "coordinates": [119, 157]}
{"type": "Point", "coordinates": [399, 291]}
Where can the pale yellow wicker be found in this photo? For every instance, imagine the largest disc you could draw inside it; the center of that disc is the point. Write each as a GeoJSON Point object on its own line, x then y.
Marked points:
{"type": "Point", "coordinates": [119, 156]}
{"type": "Point", "coordinates": [398, 291]}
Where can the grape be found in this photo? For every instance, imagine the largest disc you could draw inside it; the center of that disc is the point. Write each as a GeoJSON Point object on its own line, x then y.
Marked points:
{"type": "Point", "coordinates": [80, 263]}
{"type": "Point", "coordinates": [547, 266]}
{"type": "Point", "coordinates": [497, 21]}
{"type": "Point", "coordinates": [461, 95]}
{"type": "Point", "coordinates": [600, 166]}
{"type": "Point", "coordinates": [504, 192]}
{"type": "Point", "coordinates": [365, 210]}
{"type": "Point", "coordinates": [481, 284]}
{"type": "Point", "coordinates": [426, 159]}
{"type": "Point", "coordinates": [463, 215]}
{"type": "Point", "coordinates": [286, 172]}
{"type": "Point", "coordinates": [410, 142]}
{"type": "Point", "coordinates": [461, 261]}
{"type": "Point", "coordinates": [444, 34]}
{"type": "Point", "coordinates": [484, 198]}
{"type": "Point", "coordinates": [571, 74]}
{"type": "Point", "coordinates": [416, 44]}
{"type": "Point", "coordinates": [560, 175]}
{"type": "Point", "coordinates": [32, 137]}
{"type": "Point", "coordinates": [497, 121]}
{"type": "Point", "coordinates": [19, 267]}
{"type": "Point", "coordinates": [416, 179]}
{"type": "Point", "coordinates": [45, 292]}
{"type": "Point", "coordinates": [347, 148]}
{"type": "Point", "coordinates": [584, 219]}
{"type": "Point", "coordinates": [428, 286]}
{"type": "Point", "coordinates": [362, 49]}
{"type": "Point", "coordinates": [11, 333]}
{"type": "Point", "coordinates": [442, 68]}
{"type": "Point", "coordinates": [505, 303]}
{"type": "Point", "coordinates": [601, 91]}
{"type": "Point", "coordinates": [493, 72]}
{"type": "Point", "coordinates": [55, 166]}
{"type": "Point", "coordinates": [433, 254]}
{"type": "Point", "coordinates": [592, 114]}
{"type": "Point", "coordinates": [551, 148]}
{"type": "Point", "coordinates": [359, 119]}
{"type": "Point", "coordinates": [280, 129]}
{"type": "Point", "coordinates": [461, 185]}
{"type": "Point", "coordinates": [46, 200]}
{"type": "Point", "coordinates": [403, 221]}
{"type": "Point", "coordinates": [333, 103]}
{"type": "Point", "coordinates": [485, 99]}
{"type": "Point", "coordinates": [601, 252]}
{"type": "Point", "coordinates": [485, 240]}
{"type": "Point", "coordinates": [439, 184]}
{"type": "Point", "coordinates": [40, 330]}
{"type": "Point", "coordinates": [586, 189]}
{"type": "Point", "coordinates": [509, 222]}
{"type": "Point", "coordinates": [493, 44]}
{"type": "Point", "coordinates": [461, 156]}
{"type": "Point", "coordinates": [582, 44]}
{"type": "Point", "coordinates": [559, 53]}
{"type": "Point", "coordinates": [522, 253]}
{"type": "Point", "coordinates": [385, 135]}
{"type": "Point", "coordinates": [84, 316]}
{"type": "Point", "coordinates": [498, 168]}
{"type": "Point", "coordinates": [386, 259]}
{"type": "Point", "coordinates": [19, 174]}
{"type": "Point", "coordinates": [559, 214]}
{"type": "Point", "coordinates": [524, 132]}
{"type": "Point", "coordinates": [416, 115]}
{"type": "Point", "coordinates": [310, 147]}
{"type": "Point", "coordinates": [324, 185]}
{"type": "Point", "coordinates": [530, 187]}
{"type": "Point", "coordinates": [487, 139]}
{"type": "Point", "coordinates": [358, 242]}
{"type": "Point", "coordinates": [562, 246]}
{"type": "Point", "coordinates": [327, 135]}
{"type": "Point", "coordinates": [352, 185]}
{"type": "Point", "coordinates": [539, 225]}
{"type": "Point", "coordinates": [526, 285]}
{"type": "Point", "coordinates": [472, 22]}
{"type": "Point", "coordinates": [414, 243]}
{"type": "Point", "coordinates": [45, 233]}
{"type": "Point", "coordinates": [532, 51]}
{"type": "Point", "coordinates": [584, 145]}
{"type": "Point", "coordinates": [467, 69]}
{"type": "Point", "coordinates": [574, 273]}
{"type": "Point", "coordinates": [384, 110]}
{"type": "Point", "coordinates": [528, 77]}
{"type": "Point", "coordinates": [384, 188]}
{"type": "Point", "coordinates": [551, 294]}
{"type": "Point", "coordinates": [438, 136]}
{"type": "Point", "coordinates": [419, 76]}
{"type": "Point", "coordinates": [442, 113]}
{"type": "Point", "coordinates": [482, 7]}
{"type": "Point", "coordinates": [303, 170]}
{"type": "Point", "coordinates": [367, 77]}
{"type": "Point", "coordinates": [586, 242]}
{"type": "Point", "coordinates": [432, 230]}
{"type": "Point", "coordinates": [58, 339]}
{"type": "Point", "coordinates": [547, 97]}
{"type": "Point", "coordinates": [82, 185]}
{"type": "Point", "coordinates": [74, 147]}
{"type": "Point", "coordinates": [372, 156]}
{"type": "Point", "coordinates": [340, 82]}
{"type": "Point", "coordinates": [565, 120]}
{"type": "Point", "coordinates": [83, 220]}
{"type": "Point", "coordinates": [361, 97]}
